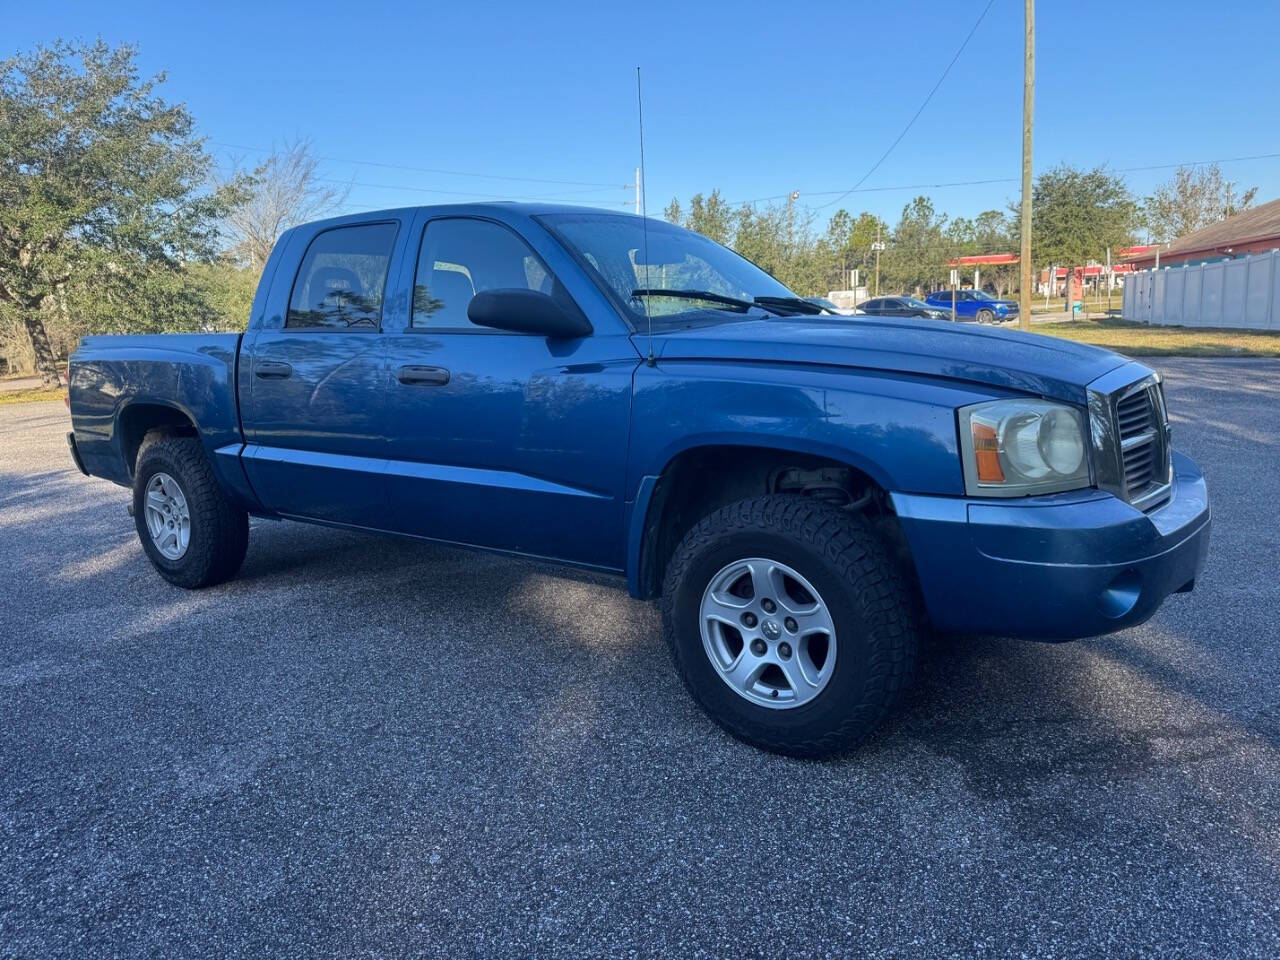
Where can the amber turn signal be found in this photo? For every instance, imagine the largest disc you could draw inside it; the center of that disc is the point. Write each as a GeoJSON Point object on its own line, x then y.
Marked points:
{"type": "Point", "coordinates": [986, 452]}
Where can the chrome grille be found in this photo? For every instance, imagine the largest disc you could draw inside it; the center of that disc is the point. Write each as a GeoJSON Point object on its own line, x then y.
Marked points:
{"type": "Point", "coordinates": [1133, 414]}
{"type": "Point", "coordinates": [1130, 429]}
{"type": "Point", "coordinates": [1142, 430]}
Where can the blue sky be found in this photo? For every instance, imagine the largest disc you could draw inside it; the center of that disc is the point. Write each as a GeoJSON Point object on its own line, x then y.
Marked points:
{"type": "Point", "coordinates": [755, 99]}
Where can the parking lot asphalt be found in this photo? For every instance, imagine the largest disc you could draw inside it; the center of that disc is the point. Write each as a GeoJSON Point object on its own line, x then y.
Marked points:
{"type": "Point", "coordinates": [372, 747]}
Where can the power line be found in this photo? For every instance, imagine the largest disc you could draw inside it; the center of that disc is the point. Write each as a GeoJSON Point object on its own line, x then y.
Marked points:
{"type": "Point", "coordinates": [844, 193]}
{"type": "Point", "coordinates": [972, 183]}
{"type": "Point", "coordinates": [916, 116]}
{"type": "Point", "coordinates": [455, 193]}
{"type": "Point", "coordinates": [1198, 163]}
{"type": "Point", "coordinates": [567, 194]}
{"type": "Point", "coordinates": [449, 173]}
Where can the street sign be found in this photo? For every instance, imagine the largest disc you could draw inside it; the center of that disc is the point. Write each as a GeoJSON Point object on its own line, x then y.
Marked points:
{"type": "Point", "coordinates": [955, 278]}
{"type": "Point", "coordinates": [853, 279]}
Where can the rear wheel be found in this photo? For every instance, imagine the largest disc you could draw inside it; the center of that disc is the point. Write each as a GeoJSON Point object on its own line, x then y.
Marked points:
{"type": "Point", "coordinates": [790, 624]}
{"type": "Point", "coordinates": [193, 535]}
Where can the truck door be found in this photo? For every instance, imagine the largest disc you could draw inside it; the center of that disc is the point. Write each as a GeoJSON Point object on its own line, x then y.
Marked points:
{"type": "Point", "coordinates": [313, 382]}
{"type": "Point", "coordinates": [504, 440]}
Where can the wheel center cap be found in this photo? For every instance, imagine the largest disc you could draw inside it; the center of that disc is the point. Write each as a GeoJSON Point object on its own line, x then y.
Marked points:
{"type": "Point", "coordinates": [771, 629]}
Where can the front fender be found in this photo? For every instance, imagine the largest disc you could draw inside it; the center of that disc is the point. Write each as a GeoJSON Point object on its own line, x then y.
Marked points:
{"type": "Point", "coordinates": [899, 430]}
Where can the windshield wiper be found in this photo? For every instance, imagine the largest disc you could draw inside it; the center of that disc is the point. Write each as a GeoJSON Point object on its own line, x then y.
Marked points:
{"type": "Point", "coordinates": [704, 295]}
{"type": "Point", "coordinates": [795, 304]}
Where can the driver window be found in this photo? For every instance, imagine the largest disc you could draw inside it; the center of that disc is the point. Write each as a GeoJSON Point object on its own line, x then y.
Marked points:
{"type": "Point", "coordinates": [340, 283]}
{"type": "Point", "coordinates": [459, 258]}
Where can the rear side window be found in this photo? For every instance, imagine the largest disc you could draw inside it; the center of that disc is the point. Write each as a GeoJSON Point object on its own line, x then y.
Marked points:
{"type": "Point", "coordinates": [459, 258]}
{"type": "Point", "coordinates": [342, 278]}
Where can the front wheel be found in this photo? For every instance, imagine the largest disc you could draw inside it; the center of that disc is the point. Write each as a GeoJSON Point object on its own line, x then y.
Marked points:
{"type": "Point", "coordinates": [790, 623]}
{"type": "Point", "coordinates": [193, 535]}
{"type": "Point", "coordinates": [986, 316]}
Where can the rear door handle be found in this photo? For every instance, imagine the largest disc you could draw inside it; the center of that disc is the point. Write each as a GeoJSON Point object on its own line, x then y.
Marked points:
{"type": "Point", "coordinates": [272, 370]}
{"type": "Point", "coordinates": [424, 376]}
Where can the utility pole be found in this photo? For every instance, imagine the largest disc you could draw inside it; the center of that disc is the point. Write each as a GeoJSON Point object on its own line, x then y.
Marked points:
{"type": "Point", "coordinates": [1028, 112]}
{"type": "Point", "coordinates": [792, 197]}
{"type": "Point", "coordinates": [637, 191]}
{"type": "Point", "coordinates": [876, 248]}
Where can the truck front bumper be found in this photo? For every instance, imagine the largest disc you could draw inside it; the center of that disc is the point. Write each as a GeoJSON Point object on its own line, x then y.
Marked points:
{"type": "Point", "coordinates": [1058, 567]}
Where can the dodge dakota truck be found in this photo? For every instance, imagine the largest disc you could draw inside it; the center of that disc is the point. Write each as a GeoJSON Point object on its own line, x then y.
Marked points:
{"type": "Point", "coordinates": [806, 494]}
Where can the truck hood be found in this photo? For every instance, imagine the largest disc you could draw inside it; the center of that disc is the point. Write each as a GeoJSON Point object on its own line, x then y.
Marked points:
{"type": "Point", "coordinates": [1010, 360]}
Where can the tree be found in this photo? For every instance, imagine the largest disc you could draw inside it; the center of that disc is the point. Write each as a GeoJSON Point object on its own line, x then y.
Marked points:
{"type": "Point", "coordinates": [848, 242]}
{"type": "Point", "coordinates": [102, 188]}
{"type": "Point", "coordinates": [761, 237]}
{"type": "Point", "coordinates": [1078, 214]}
{"type": "Point", "coordinates": [916, 258]}
{"type": "Point", "coordinates": [780, 239]}
{"type": "Point", "coordinates": [1195, 198]}
{"type": "Point", "coordinates": [710, 217]}
{"type": "Point", "coordinates": [286, 190]}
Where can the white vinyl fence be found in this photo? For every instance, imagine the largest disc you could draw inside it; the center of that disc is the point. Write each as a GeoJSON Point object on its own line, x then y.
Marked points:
{"type": "Point", "coordinates": [1244, 292]}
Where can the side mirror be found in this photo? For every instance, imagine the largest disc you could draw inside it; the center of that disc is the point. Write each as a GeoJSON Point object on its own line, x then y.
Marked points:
{"type": "Point", "coordinates": [527, 311]}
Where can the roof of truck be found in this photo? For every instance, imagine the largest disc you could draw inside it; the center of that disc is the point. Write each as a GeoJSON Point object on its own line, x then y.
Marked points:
{"type": "Point", "coordinates": [525, 208]}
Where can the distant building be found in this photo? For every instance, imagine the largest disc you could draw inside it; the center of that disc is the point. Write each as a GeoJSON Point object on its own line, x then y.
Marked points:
{"type": "Point", "coordinates": [1256, 230]}
{"type": "Point", "coordinates": [1092, 277]}
{"type": "Point", "coordinates": [983, 260]}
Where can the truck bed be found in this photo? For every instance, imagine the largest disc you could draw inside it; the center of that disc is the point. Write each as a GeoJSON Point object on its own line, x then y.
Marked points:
{"type": "Point", "coordinates": [191, 375]}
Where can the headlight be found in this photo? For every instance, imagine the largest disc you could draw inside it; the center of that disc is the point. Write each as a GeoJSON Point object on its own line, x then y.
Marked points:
{"type": "Point", "coordinates": [1015, 448]}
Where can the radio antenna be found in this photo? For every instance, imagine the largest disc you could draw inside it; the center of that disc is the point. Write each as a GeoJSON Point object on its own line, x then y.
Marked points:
{"type": "Point", "coordinates": [644, 222]}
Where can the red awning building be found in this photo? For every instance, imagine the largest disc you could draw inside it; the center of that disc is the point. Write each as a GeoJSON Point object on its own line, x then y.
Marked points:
{"type": "Point", "coordinates": [1256, 230]}
{"type": "Point", "coordinates": [978, 261]}
{"type": "Point", "coordinates": [984, 259]}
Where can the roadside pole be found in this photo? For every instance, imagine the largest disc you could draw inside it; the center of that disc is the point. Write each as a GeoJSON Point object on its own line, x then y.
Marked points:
{"type": "Point", "coordinates": [1108, 281]}
{"type": "Point", "coordinates": [955, 279]}
{"type": "Point", "coordinates": [877, 247]}
{"type": "Point", "coordinates": [1028, 112]}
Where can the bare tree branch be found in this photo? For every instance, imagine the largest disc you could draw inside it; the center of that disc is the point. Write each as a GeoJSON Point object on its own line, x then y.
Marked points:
{"type": "Point", "coordinates": [1195, 198]}
{"type": "Point", "coordinates": [286, 190]}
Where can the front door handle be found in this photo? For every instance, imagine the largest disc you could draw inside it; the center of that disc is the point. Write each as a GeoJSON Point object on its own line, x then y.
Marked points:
{"type": "Point", "coordinates": [272, 370]}
{"type": "Point", "coordinates": [424, 376]}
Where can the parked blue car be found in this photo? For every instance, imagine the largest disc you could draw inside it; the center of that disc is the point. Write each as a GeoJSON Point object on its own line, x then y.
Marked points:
{"type": "Point", "coordinates": [975, 305]}
{"type": "Point", "coordinates": [805, 495]}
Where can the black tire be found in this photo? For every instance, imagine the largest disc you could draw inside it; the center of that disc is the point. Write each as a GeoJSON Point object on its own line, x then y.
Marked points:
{"type": "Point", "coordinates": [219, 529]}
{"type": "Point", "coordinates": [870, 599]}
{"type": "Point", "coordinates": [986, 316]}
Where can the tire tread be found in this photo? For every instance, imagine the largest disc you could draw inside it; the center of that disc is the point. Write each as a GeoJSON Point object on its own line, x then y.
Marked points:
{"type": "Point", "coordinates": [860, 559]}
{"type": "Point", "coordinates": [211, 558]}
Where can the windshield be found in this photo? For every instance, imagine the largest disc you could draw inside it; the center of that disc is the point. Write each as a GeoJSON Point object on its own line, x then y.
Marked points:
{"type": "Point", "coordinates": [918, 304]}
{"type": "Point", "coordinates": [613, 246]}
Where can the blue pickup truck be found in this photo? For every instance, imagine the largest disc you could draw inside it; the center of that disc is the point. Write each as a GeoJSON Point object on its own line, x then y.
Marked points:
{"type": "Point", "coordinates": [805, 495]}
